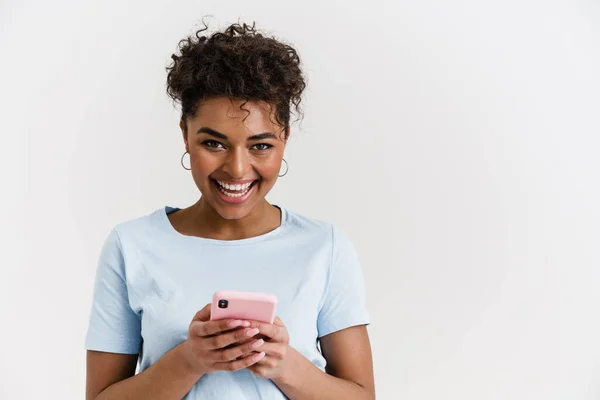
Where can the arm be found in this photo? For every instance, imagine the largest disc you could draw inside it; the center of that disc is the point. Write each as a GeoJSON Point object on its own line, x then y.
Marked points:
{"type": "Point", "coordinates": [341, 324]}
{"type": "Point", "coordinates": [349, 369]}
{"type": "Point", "coordinates": [207, 349]}
{"type": "Point", "coordinates": [114, 339]}
{"type": "Point", "coordinates": [111, 376]}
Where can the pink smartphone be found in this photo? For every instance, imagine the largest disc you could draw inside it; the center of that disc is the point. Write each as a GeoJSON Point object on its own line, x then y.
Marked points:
{"type": "Point", "coordinates": [243, 305]}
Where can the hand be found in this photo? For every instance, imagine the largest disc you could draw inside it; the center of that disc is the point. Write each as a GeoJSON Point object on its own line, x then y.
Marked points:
{"type": "Point", "coordinates": [276, 362]}
{"type": "Point", "coordinates": [225, 345]}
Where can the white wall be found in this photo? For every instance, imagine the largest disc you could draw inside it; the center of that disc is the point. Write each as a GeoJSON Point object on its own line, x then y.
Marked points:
{"type": "Point", "coordinates": [456, 143]}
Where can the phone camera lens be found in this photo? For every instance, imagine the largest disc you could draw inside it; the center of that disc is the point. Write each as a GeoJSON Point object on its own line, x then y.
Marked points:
{"type": "Point", "coordinates": [223, 303]}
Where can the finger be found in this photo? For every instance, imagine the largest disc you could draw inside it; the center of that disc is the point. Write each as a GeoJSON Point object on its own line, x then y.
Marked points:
{"type": "Point", "coordinates": [273, 350]}
{"type": "Point", "coordinates": [241, 341]}
{"type": "Point", "coordinates": [273, 332]}
{"type": "Point", "coordinates": [274, 354]}
{"type": "Point", "coordinates": [210, 328]}
{"type": "Point", "coordinates": [241, 363]}
{"type": "Point", "coordinates": [264, 367]}
{"type": "Point", "coordinates": [203, 314]}
{"type": "Point", "coordinates": [226, 339]}
{"type": "Point", "coordinates": [267, 362]}
{"type": "Point", "coordinates": [240, 351]}
{"type": "Point", "coordinates": [276, 321]}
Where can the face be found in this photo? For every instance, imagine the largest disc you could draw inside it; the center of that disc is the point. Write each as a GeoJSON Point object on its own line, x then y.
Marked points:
{"type": "Point", "coordinates": [235, 162]}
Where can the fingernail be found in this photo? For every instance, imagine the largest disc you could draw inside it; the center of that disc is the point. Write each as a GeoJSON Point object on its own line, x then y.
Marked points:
{"type": "Point", "coordinates": [258, 343]}
{"type": "Point", "coordinates": [251, 332]}
{"type": "Point", "coordinates": [245, 323]}
{"type": "Point", "coordinates": [234, 323]}
{"type": "Point", "coordinates": [259, 356]}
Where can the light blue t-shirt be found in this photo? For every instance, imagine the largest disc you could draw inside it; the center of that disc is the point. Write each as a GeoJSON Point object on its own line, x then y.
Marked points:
{"type": "Point", "coordinates": [151, 280]}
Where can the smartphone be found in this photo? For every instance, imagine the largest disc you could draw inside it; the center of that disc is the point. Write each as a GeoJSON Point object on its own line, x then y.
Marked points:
{"type": "Point", "coordinates": [231, 304]}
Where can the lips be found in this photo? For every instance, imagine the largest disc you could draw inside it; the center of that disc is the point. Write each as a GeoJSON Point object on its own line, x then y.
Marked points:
{"type": "Point", "coordinates": [234, 192]}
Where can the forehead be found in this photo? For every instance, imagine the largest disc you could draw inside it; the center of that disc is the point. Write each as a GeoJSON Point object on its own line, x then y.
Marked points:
{"type": "Point", "coordinates": [225, 115]}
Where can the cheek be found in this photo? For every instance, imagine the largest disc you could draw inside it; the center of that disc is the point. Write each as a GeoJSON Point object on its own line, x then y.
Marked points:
{"type": "Point", "coordinates": [202, 166]}
{"type": "Point", "coordinates": [269, 168]}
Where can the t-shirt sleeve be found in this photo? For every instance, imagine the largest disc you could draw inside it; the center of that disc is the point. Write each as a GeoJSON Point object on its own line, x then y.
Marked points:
{"type": "Point", "coordinates": [113, 326]}
{"type": "Point", "coordinates": [344, 303]}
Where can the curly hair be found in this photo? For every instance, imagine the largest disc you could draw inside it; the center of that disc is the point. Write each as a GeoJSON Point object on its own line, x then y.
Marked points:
{"type": "Point", "coordinates": [239, 63]}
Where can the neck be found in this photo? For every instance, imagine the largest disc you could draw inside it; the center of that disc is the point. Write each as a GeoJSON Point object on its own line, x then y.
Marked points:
{"type": "Point", "coordinates": [205, 221]}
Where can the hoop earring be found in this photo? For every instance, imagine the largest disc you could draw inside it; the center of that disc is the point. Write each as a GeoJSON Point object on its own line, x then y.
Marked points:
{"type": "Point", "coordinates": [188, 169]}
{"type": "Point", "coordinates": [287, 168]}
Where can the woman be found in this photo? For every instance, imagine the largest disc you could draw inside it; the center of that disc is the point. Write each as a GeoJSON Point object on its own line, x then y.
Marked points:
{"type": "Point", "coordinates": [156, 273]}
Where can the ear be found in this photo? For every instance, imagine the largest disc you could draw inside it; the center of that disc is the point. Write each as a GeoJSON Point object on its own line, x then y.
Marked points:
{"type": "Point", "coordinates": [287, 137]}
{"type": "Point", "coordinates": [183, 127]}
{"type": "Point", "coordinates": [286, 134]}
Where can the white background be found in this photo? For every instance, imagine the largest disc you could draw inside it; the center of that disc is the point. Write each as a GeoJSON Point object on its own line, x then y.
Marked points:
{"type": "Point", "coordinates": [455, 142]}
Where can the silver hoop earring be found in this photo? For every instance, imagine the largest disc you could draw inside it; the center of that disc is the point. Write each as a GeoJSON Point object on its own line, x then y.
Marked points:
{"type": "Point", "coordinates": [287, 168]}
{"type": "Point", "coordinates": [188, 169]}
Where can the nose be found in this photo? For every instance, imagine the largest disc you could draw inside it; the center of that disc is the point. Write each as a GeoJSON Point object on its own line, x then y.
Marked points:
{"type": "Point", "coordinates": [237, 163]}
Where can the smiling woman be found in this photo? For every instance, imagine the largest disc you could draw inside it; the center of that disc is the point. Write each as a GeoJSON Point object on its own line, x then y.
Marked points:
{"type": "Point", "coordinates": [237, 89]}
{"type": "Point", "coordinates": [236, 153]}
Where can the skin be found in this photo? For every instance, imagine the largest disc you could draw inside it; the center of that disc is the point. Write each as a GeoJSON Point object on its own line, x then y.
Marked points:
{"type": "Point", "coordinates": [227, 345]}
{"type": "Point", "coordinates": [237, 158]}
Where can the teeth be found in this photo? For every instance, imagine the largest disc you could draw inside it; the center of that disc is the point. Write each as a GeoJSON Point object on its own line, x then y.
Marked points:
{"type": "Point", "coordinates": [235, 187]}
{"type": "Point", "coordinates": [233, 194]}
{"type": "Point", "coordinates": [241, 190]}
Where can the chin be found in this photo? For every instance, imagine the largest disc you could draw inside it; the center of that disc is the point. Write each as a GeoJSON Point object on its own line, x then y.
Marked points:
{"type": "Point", "coordinates": [232, 213]}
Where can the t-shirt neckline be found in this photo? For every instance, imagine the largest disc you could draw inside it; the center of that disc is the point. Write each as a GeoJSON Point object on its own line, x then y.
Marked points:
{"type": "Point", "coordinates": [164, 211]}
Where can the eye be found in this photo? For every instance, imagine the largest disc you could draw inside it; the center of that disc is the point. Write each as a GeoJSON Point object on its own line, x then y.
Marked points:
{"type": "Point", "coordinates": [213, 144]}
{"type": "Point", "coordinates": [262, 146]}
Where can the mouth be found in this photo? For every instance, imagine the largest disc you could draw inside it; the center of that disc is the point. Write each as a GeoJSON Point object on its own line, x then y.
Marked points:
{"type": "Point", "coordinates": [234, 193]}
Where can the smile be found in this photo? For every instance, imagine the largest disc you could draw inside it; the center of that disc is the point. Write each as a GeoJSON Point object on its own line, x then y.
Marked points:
{"type": "Point", "coordinates": [234, 191]}
{"type": "Point", "coordinates": [235, 188]}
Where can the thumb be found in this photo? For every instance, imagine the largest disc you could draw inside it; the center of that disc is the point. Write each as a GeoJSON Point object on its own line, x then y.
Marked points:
{"type": "Point", "coordinates": [203, 314]}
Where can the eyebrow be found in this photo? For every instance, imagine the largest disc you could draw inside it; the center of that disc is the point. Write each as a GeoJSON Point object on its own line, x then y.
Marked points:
{"type": "Point", "coordinates": [212, 132]}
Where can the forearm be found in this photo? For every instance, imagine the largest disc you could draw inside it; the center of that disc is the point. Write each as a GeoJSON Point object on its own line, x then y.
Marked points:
{"type": "Point", "coordinates": [169, 378]}
{"type": "Point", "coordinates": [306, 381]}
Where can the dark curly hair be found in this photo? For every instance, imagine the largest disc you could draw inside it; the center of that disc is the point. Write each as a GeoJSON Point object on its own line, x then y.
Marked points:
{"type": "Point", "coordinates": [239, 63]}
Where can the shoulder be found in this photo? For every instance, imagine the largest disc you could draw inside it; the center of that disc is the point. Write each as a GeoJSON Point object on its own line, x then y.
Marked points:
{"type": "Point", "coordinates": [325, 230]}
{"type": "Point", "coordinates": [302, 223]}
{"type": "Point", "coordinates": [144, 226]}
